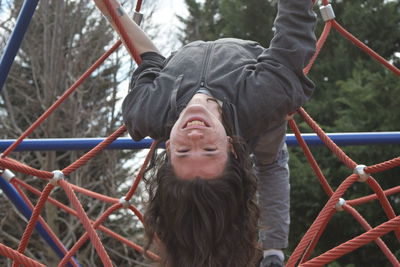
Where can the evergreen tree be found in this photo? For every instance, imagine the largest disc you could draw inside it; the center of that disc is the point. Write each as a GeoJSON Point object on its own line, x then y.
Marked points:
{"type": "Point", "coordinates": [202, 23]}
{"type": "Point", "coordinates": [225, 18]}
{"type": "Point", "coordinates": [354, 93]}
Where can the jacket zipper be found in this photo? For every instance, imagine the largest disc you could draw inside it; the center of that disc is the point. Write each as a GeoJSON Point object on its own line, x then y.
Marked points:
{"type": "Point", "coordinates": [205, 65]}
{"type": "Point", "coordinates": [202, 84]}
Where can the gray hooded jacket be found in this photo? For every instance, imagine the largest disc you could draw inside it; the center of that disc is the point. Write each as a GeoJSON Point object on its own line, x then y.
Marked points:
{"type": "Point", "coordinates": [258, 86]}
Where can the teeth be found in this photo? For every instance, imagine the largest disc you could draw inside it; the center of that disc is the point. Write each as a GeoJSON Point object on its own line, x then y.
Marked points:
{"type": "Point", "coordinates": [191, 123]}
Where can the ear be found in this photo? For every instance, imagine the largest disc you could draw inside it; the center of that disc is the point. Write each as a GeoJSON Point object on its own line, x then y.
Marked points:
{"type": "Point", "coordinates": [231, 148]}
{"type": "Point", "coordinates": [167, 144]}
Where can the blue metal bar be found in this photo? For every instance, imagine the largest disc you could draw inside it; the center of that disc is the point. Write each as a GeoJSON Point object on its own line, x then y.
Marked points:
{"type": "Point", "coordinates": [10, 191]}
{"type": "Point", "coordinates": [64, 144]}
{"type": "Point", "coordinates": [13, 44]}
{"type": "Point", "coordinates": [347, 139]}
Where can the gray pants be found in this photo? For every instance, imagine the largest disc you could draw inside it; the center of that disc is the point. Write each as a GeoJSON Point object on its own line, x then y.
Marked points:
{"type": "Point", "coordinates": [271, 165]}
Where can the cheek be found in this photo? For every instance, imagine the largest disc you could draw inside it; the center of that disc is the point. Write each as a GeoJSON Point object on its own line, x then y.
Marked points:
{"type": "Point", "coordinates": [222, 136]}
{"type": "Point", "coordinates": [174, 132]}
{"type": "Point", "coordinates": [174, 128]}
{"type": "Point", "coordinates": [223, 144]}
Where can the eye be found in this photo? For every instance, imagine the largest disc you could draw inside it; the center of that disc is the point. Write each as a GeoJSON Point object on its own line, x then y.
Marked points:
{"type": "Point", "coordinates": [212, 99]}
{"type": "Point", "coordinates": [216, 101]}
{"type": "Point", "coordinates": [210, 149]}
{"type": "Point", "coordinates": [182, 150]}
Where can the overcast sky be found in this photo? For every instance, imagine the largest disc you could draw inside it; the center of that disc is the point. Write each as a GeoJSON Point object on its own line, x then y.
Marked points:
{"type": "Point", "coordinates": [165, 16]}
{"type": "Point", "coordinates": [171, 7]}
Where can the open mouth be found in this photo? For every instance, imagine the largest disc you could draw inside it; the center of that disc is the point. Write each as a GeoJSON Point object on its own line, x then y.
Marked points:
{"type": "Point", "coordinates": [196, 123]}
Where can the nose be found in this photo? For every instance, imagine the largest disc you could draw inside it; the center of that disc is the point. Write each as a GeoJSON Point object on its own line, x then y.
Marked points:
{"type": "Point", "coordinates": [195, 135]}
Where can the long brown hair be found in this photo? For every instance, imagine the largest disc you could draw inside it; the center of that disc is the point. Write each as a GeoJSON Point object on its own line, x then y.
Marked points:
{"type": "Point", "coordinates": [203, 222]}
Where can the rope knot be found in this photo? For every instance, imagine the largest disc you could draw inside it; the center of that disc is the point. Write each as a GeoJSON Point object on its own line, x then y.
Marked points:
{"type": "Point", "coordinates": [125, 203]}
{"type": "Point", "coordinates": [363, 176]}
{"type": "Point", "coordinates": [339, 204]}
{"type": "Point", "coordinates": [7, 174]}
{"type": "Point", "coordinates": [57, 176]}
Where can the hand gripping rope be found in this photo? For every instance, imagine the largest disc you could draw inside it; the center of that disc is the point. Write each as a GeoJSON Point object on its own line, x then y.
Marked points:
{"type": "Point", "coordinates": [304, 249]}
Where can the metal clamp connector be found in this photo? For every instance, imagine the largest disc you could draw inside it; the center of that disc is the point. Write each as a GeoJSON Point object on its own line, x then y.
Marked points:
{"type": "Point", "coordinates": [137, 17]}
{"type": "Point", "coordinates": [125, 203]}
{"type": "Point", "coordinates": [57, 176]}
{"type": "Point", "coordinates": [327, 12]}
{"type": "Point", "coordinates": [359, 169]}
{"type": "Point", "coordinates": [339, 204]}
{"type": "Point", "coordinates": [8, 175]}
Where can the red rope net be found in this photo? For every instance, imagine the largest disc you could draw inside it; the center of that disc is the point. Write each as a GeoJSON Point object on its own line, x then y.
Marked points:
{"type": "Point", "coordinates": [301, 254]}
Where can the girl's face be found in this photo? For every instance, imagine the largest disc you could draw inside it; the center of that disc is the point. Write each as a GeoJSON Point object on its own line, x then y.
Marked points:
{"type": "Point", "coordinates": [198, 144]}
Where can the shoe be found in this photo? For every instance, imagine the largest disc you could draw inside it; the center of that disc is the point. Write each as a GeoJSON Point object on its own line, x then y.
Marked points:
{"type": "Point", "coordinates": [272, 261]}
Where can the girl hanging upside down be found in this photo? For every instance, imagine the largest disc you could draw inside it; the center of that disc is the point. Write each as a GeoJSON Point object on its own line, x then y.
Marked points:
{"type": "Point", "coordinates": [221, 109]}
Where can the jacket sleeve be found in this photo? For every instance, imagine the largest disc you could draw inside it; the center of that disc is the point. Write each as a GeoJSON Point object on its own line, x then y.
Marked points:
{"type": "Point", "coordinates": [147, 71]}
{"type": "Point", "coordinates": [294, 40]}
{"type": "Point", "coordinates": [278, 77]}
{"type": "Point", "coordinates": [140, 107]}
